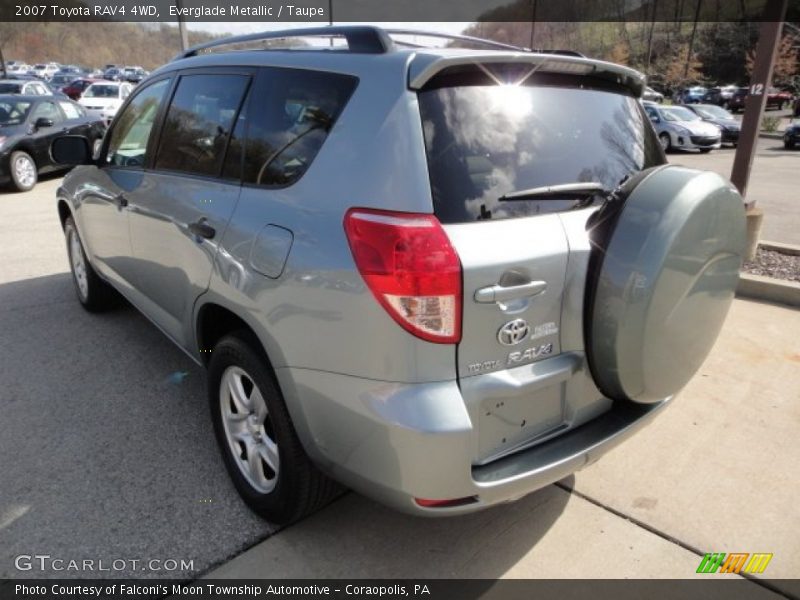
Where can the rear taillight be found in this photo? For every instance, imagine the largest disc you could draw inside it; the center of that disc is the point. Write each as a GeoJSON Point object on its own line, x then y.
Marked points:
{"type": "Point", "coordinates": [410, 266]}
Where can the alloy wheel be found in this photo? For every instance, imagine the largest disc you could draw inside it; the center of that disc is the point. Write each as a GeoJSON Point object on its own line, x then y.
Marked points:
{"type": "Point", "coordinates": [248, 429]}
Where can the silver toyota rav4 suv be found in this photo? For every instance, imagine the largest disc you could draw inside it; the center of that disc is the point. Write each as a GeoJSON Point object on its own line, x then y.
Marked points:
{"type": "Point", "coordinates": [442, 277]}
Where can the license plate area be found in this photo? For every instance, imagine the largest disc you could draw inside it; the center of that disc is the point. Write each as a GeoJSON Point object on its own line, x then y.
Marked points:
{"type": "Point", "coordinates": [511, 423]}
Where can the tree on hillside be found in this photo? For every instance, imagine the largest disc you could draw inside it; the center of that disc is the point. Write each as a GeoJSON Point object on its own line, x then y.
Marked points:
{"type": "Point", "coordinates": [723, 48]}
{"type": "Point", "coordinates": [620, 53]}
{"type": "Point", "coordinates": [786, 63]}
{"type": "Point", "coordinates": [674, 71]}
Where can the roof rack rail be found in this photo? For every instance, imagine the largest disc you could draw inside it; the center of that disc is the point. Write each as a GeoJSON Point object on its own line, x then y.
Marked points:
{"type": "Point", "coordinates": [361, 39]}
{"type": "Point", "coordinates": [559, 52]}
{"type": "Point", "coordinates": [455, 37]}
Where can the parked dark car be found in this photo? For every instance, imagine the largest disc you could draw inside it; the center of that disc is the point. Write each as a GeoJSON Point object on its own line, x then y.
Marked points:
{"type": "Point", "coordinates": [720, 117]}
{"type": "Point", "coordinates": [134, 75]}
{"type": "Point", "coordinates": [738, 99]}
{"type": "Point", "coordinates": [76, 88]}
{"type": "Point", "coordinates": [791, 136]}
{"type": "Point", "coordinates": [28, 125]}
{"type": "Point", "coordinates": [720, 95]}
{"type": "Point", "coordinates": [114, 74]}
{"type": "Point", "coordinates": [62, 79]}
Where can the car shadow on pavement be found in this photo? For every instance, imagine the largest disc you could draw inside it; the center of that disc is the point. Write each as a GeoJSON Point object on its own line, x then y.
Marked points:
{"type": "Point", "coordinates": [355, 537]}
{"type": "Point", "coordinates": [114, 458]}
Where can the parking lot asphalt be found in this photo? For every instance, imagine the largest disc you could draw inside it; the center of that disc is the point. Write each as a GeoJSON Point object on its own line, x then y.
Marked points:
{"type": "Point", "coordinates": [774, 183]}
{"type": "Point", "coordinates": [106, 452]}
{"type": "Point", "coordinates": [106, 447]}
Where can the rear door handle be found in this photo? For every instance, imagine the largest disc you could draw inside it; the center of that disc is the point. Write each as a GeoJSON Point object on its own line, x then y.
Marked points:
{"type": "Point", "coordinates": [202, 229]}
{"type": "Point", "coordinates": [498, 293]}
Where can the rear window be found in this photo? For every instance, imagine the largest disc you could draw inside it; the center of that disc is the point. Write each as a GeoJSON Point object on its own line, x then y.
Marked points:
{"type": "Point", "coordinates": [487, 140]}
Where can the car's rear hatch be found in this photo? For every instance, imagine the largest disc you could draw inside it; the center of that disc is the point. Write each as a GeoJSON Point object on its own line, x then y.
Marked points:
{"type": "Point", "coordinates": [492, 128]}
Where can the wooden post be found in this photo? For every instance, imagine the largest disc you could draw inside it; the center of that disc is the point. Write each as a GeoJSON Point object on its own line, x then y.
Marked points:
{"type": "Point", "coordinates": [766, 49]}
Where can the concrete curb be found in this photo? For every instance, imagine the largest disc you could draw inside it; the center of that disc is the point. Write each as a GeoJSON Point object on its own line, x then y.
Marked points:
{"type": "Point", "coordinates": [771, 136]}
{"type": "Point", "coordinates": [768, 289]}
{"type": "Point", "coordinates": [792, 249]}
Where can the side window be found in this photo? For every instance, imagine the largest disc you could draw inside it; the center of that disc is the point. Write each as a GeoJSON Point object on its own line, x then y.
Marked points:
{"type": "Point", "coordinates": [47, 110]}
{"type": "Point", "coordinates": [291, 115]}
{"type": "Point", "coordinates": [199, 122]}
{"type": "Point", "coordinates": [651, 112]}
{"type": "Point", "coordinates": [131, 132]}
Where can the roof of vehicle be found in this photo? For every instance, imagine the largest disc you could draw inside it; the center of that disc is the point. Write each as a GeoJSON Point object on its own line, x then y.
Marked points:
{"type": "Point", "coordinates": [368, 47]}
{"type": "Point", "coordinates": [24, 97]}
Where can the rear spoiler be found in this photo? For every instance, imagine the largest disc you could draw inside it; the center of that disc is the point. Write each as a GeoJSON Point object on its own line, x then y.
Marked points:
{"type": "Point", "coordinates": [425, 66]}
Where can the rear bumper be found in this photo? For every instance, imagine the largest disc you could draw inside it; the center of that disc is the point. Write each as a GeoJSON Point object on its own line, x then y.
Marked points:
{"type": "Point", "coordinates": [396, 442]}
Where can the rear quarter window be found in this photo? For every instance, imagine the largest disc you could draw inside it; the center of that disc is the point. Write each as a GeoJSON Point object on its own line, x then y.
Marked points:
{"type": "Point", "coordinates": [290, 115]}
{"type": "Point", "coordinates": [484, 140]}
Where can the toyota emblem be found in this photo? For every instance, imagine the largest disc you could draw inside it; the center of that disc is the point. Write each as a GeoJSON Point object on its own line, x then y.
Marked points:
{"type": "Point", "coordinates": [513, 332]}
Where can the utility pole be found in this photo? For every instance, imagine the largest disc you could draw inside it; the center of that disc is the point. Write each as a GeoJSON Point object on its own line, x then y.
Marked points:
{"type": "Point", "coordinates": [766, 49]}
{"type": "Point", "coordinates": [533, 23]}
{"type": "Point", "coordinates": [182, 28]}
{"type": "Point", "coordinates": [650, 37]}
{"type": "Point", "coordinates": [691, 40]}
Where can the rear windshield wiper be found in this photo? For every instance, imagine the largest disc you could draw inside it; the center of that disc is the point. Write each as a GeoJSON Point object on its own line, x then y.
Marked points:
{"type": "Point", "coordinates": [564, 191]}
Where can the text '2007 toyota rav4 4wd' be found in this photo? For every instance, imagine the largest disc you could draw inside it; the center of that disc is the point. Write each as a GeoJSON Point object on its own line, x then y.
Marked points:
{"type": "Point", "coordinates": [444, 278]}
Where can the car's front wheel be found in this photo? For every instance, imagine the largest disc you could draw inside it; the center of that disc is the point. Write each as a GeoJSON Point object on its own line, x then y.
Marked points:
{"type": "Point", "coordinates": [788, 145]}
{"type": "Point", "coordinates": [262, 452]}
{"type": "Point", "coordinates": [93, 293]}
{"type": "Point", "coordinates": [24, 173]}
{"type": "Point", "coordinates": [666, 143]}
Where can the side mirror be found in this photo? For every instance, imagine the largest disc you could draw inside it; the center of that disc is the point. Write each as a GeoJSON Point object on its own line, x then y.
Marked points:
{"type": "Point", "coordinates": [43, 122]}
{"type": "Point", "coordinates": [71, 150]}
{"type": "Point", "coordinates": [655, 118]}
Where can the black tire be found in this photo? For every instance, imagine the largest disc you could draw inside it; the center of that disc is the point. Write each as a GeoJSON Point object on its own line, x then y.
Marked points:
{"type": "Point", "coordinates": [788, 145]}
{"type": "Point", "coordinates": [665, 136]}
{"type": "Point", "coordinates": [26, 182]}
{"type": "Point", "coordinates": [96, 295]}
{"type": "Point", "coordinates": [299, 487]}
{"type": "Point", "coordinates": [705, 150]}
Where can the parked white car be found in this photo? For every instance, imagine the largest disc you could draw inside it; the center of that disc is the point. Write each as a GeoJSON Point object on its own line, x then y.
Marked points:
{"type": "Point", "coordinates": [652, 95]}
{"type": "Point", "coordinates": [46, 70]}
{"type": "Point", "coordinates": [679, 128]}
{"type": "Point", "coordinates": [105, 97]}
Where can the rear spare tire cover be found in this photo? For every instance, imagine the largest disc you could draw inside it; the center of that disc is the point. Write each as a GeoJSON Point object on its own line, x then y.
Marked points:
{"type": "Point", "coordinates": [663, 277]}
